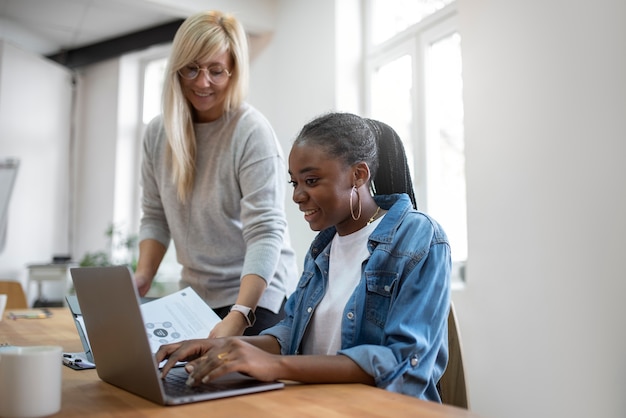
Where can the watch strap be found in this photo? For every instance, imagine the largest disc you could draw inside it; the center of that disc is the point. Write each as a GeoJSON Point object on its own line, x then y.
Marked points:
{"type": "Point", "coordinates": [247, 312]}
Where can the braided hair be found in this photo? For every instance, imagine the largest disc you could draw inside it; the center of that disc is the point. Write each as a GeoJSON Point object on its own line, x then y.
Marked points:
{"type": "Point", "coordinates": [393, 174]}
{"type": "Point", "coordinates": [353, 139]}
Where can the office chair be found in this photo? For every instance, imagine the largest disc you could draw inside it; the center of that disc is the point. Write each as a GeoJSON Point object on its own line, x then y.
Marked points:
{"type": "Point", "coordinates": [16, 298]}
{"type": "Point", "coordinates": [452, 386]}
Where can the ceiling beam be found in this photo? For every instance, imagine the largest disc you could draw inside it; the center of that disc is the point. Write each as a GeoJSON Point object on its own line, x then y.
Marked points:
{"type": "Point", "coordinates": [111, 48]}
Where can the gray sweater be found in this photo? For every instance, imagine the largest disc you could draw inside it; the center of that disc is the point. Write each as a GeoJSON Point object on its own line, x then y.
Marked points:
{"type": "Point", "coordinates": [234, 223]}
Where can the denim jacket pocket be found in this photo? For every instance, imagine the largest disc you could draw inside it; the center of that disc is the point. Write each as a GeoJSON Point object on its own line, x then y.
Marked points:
{"type": "Point", "coordinates": [305, 278]}
{"type": "Point", "coordinates": [380, 287]}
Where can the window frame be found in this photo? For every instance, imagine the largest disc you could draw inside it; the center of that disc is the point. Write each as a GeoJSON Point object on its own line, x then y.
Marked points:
{"type": "Point", "coordinates": [414, 41]}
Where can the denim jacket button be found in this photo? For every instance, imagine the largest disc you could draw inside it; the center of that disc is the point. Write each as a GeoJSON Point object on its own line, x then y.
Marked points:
{"type": "Point", "coordinates": [414, 361]}
{"type": "Point", "coordinates": [350, 315]}
{"type": "Point", "coordinates": [309, 309]}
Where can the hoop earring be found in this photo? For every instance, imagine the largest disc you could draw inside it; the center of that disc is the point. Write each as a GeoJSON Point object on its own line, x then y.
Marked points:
{"type": "Point", "coordinates": [354, 190]}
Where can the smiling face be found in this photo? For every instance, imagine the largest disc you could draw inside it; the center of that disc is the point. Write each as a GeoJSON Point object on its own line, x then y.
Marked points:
{"type": "Point", "coordinates": [206, 98]}
{"type": "Point", "coordinates": [322, 186]}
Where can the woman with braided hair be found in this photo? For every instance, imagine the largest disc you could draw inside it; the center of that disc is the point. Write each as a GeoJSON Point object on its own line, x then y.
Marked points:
{"type": "Point", "coordinates": [372, 302]}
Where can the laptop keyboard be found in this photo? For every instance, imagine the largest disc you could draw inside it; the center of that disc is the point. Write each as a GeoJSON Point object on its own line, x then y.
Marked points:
{"type": "Point", "coordinates": [174, 384]}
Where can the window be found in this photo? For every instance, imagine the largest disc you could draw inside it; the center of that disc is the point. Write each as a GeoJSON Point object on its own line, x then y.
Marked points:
{"type": "Point", "coordinates": [413, 82]}
{"type": "Point", "coordinates": [394, 16]}
{"type": "Point", "coordinates": [153, 77]}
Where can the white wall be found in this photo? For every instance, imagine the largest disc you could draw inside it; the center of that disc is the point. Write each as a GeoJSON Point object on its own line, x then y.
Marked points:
{"type": "Point", "coordinates": [96, 150]}
{"type": "Point", "coordinates": [543, 313]}
{"type": "Point", "coordinates": [293, 80]}
{"type": "Point", "coordinates": [35, 111]}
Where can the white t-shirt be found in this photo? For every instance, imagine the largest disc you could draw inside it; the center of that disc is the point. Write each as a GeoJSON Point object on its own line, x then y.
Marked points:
{"type": "Point", "coordinates": [347, 254]}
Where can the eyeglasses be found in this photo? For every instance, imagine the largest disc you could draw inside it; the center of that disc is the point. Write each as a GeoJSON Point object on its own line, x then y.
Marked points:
{"type": "Point", "coordinates": [217, 74]}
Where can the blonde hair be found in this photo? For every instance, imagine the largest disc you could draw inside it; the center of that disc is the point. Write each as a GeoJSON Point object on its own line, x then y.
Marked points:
{"type": "Point", "coordinates": [199, 38]}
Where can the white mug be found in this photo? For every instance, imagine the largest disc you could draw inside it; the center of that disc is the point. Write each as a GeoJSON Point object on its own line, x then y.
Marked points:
{"type": "Point", "coordinates": [30, 381]}
{"type": "Point", "coordinates": [3, 304]}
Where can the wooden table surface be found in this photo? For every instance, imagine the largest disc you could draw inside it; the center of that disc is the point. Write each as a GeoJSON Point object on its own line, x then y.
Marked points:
{"type": "Point", "coordinates": [85, 395]}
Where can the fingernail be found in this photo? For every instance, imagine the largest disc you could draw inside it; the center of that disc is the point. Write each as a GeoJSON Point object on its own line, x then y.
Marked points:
{"type": "Point", "coordinates": [205, 379]}
{"type": "Point", "coordinates": [189, 368]}
{"type": "Point", "coordinates": [190, 381]}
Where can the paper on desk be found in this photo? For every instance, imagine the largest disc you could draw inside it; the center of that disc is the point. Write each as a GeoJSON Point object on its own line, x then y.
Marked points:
{"type": "Point", "coordinates": [179, 316]}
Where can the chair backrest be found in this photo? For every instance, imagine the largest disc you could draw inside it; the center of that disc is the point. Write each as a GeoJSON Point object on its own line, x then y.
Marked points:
{"type": "Point", "coordinates": [452, 385]}
{"type": "Point", "coordinates": [16, 298]}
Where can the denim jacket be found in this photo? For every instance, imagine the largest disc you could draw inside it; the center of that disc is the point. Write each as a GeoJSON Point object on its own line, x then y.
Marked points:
{"type": "Point", "coordinates": [394, 325]}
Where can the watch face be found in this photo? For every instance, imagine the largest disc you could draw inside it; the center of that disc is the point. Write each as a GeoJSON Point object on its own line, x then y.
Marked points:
{"type": "Point", "coordinates": [251, 317]}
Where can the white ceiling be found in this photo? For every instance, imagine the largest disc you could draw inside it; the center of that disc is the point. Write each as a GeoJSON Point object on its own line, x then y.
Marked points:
{"type": "Point", "coordinates": [49, 26]}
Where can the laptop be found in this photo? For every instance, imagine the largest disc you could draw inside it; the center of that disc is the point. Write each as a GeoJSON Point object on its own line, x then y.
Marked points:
{"type": "Point", "coordinates": [82, 360]}
{"type": "Point", "coordinates": [85, 359]}
{"type": "Point", "coordinates": [109, 304]}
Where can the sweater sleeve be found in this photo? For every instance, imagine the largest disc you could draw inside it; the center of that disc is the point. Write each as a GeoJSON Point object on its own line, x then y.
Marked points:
{"type": "Point", "coordinates": [153, 221]}
{"type": "Point", "coordinates": [262, 178]}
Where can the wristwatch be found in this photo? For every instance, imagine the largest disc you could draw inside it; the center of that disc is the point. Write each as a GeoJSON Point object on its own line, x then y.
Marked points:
{"type": "Point", "coordinates": [247, 313]}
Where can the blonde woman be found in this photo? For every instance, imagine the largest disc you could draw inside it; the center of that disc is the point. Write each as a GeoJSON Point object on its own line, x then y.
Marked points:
{"type": "Point", "coordinates": [214, 181]}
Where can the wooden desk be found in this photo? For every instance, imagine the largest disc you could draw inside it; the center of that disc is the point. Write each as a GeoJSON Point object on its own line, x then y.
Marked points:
{"type": "Point", "coordinates": [84, 394]}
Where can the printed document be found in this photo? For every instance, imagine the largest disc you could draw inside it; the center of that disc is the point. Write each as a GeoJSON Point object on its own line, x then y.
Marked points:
{"type": "Point", "coordinates": [179, 316]}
